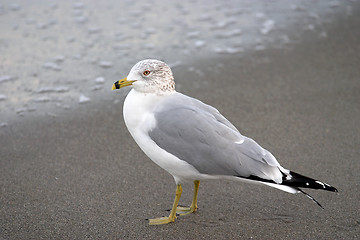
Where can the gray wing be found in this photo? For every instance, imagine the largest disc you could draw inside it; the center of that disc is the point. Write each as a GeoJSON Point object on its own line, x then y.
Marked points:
{"type": "Point", "coordinates": [198, 134]}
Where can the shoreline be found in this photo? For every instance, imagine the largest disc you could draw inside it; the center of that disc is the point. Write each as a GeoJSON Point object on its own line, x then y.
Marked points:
{"type": "Point", "coordinates": [65, 70]}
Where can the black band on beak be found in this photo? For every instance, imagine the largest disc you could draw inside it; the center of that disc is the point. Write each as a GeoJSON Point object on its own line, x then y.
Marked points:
{"type": "Point", "coordinates": [117, 85]}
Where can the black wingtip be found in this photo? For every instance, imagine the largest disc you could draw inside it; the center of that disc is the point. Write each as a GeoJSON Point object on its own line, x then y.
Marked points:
{"type": "Point", "coordinates": [298, 180]}
{"type": "Point", "coordinates": [333, 189]}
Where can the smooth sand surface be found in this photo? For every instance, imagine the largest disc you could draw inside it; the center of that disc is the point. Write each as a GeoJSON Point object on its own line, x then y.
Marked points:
{"type": "Point", "coordinates": [81, 175]}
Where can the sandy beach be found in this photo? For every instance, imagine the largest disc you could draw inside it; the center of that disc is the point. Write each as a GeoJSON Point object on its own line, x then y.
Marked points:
{"type": "Point", "coordinates": [79, 175]}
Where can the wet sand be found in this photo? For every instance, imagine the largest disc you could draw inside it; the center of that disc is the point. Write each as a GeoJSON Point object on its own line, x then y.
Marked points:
{"type": "Point", "coordinates": [81, 176]}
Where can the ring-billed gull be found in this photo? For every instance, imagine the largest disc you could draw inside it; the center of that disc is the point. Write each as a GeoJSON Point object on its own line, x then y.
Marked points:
{"type": "Point", "coordinates": [193, 141]}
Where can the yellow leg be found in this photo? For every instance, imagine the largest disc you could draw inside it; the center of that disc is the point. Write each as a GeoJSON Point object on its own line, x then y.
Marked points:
{"type": "Point", "coordinates": [172, 216]}
{"type": "Point", "coordinates": [193, 207]}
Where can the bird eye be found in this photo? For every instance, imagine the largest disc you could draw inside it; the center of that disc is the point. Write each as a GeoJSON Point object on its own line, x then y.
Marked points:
{"type": "Point", "coordinates": [147, 72]}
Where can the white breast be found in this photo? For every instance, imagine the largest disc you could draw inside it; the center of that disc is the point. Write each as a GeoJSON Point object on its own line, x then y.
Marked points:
{"type": "Point", "coordinates": [139, 119]}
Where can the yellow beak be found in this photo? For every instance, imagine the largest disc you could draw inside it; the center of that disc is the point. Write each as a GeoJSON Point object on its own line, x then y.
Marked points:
{"type": "Point", "coordinates": [122, 83]}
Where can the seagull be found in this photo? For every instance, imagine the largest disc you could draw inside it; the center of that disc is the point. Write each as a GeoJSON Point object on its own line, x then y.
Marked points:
{"type": "Point", "coordinates": [193, 141]}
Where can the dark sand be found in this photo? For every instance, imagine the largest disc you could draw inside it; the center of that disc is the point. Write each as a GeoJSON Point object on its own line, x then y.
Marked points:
{"type": "Point", "coordinates": [81, 176]}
